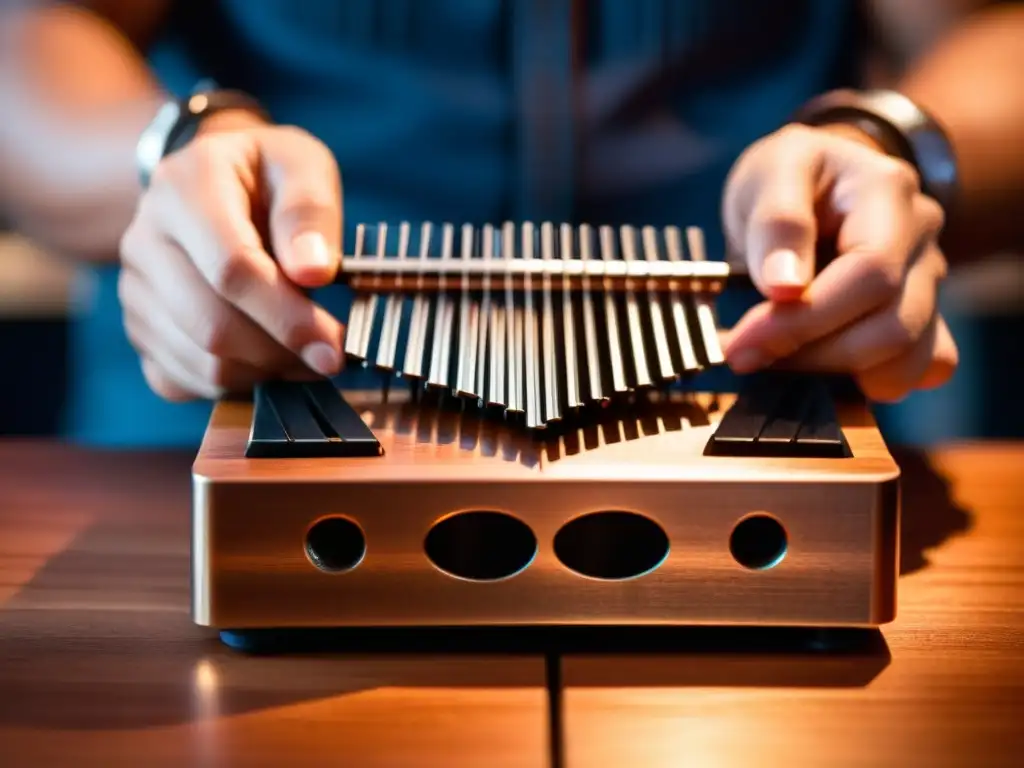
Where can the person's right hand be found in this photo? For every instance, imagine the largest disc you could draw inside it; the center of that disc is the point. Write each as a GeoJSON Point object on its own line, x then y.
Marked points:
{"type": "Point", "coordinates": [207, 307]}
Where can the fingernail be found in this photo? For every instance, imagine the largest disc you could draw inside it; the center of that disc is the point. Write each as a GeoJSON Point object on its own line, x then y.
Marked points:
{"type": "Point", "coordinates": [310, 250]}
{"type": "Point", "coordinates": [321, 357]}
{"type": "Point", "coordinates": [783, 268]}
{"type": "Point", "coordinates": [748, 360]}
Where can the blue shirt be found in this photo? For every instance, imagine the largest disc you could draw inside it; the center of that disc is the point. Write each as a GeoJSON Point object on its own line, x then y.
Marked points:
{"type": "Point", "coordinates": [475, 111]}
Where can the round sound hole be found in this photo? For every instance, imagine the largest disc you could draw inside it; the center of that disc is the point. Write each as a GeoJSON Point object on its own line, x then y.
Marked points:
{"type": "Point", "coordinates": [335, 544]}
{"type": "Point", "coordinates": [481, 545]}
{"type": "Point", "coordinates": [611, 545]}
{"type": "Point", "coordinates": [758, 542]}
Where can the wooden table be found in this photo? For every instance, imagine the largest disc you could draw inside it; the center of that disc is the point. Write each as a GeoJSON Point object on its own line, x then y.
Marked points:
{"type": "Point", "coordinates": [101, 665]}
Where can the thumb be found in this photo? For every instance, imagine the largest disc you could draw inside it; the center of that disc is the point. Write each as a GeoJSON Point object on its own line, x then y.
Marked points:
{"type": "Point", "coordinates": [304, 201]}
{"type": "Point", "coordinates": [781, 228]}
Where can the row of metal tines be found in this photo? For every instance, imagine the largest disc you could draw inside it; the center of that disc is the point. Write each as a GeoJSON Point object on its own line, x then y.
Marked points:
{"type": "Point", "coordinates": [538, 346]}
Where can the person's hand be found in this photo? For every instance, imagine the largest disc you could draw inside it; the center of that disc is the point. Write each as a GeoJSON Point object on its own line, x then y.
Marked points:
{"type": "Point", "coordinates": [206, 306]}
{"type": "Point", "coordinates": [871, 311]}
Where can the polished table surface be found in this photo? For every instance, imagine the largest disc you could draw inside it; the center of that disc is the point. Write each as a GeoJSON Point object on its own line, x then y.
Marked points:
{"type": "Point", "coordinates": [101, 665]}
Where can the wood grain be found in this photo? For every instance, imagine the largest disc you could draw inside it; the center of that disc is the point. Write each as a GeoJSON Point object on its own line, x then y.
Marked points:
{"type": "Point", "coordinates": [942, 686]}
{"type": "Point", "coordinates": [101, 665]}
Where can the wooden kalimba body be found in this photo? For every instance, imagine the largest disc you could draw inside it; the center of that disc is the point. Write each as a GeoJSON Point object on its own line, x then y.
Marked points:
{"type": "Point", "coordinates": [541, 468]}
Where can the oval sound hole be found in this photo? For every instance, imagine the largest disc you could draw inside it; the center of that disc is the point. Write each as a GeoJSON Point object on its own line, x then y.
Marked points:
{"type": "Point", "coordinates": [758, 542]}
{"type": "Point", "coordinates": [481, 546]}
{"type": "Point", "coordinates": [335, 544]}
{"type": "Point", "coordinates": [611, 545]}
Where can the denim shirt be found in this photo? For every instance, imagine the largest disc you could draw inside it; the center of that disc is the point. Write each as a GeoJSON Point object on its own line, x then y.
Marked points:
{"type": "Point", "coordinates": [477, 111]}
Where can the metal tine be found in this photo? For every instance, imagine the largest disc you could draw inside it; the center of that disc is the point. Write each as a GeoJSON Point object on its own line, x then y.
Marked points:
{"type": "Point", "coordinates": [611, 317]}
{"type": "Point", "coordinates": [414, 352]}
{"type": "Point", "coordinates": [706, 319]}
{"type": "Point", "coordinates": [665, 366]}
{"type": "Point", "coordinates": [370, 314]}
{"type": "Point", "coordinates": [354, 332]}
{"type": "Point", "coordinates": [497, 382]}
{"type": "Point", "coordinates": [469, 325]}
{"type": "Point", "coordinates": [484, 321]}
{"type": "Point", "coordinates": [552, 411]}
{"type": "Point", "coordinates": [513, 327]}
{"type": "Point", "coordinates": [530, 336]}
{"type": "Point", "coordinates": [442, 341]}
{"type": "Point", "coordinates": [595, 387]}
{"type": "Point", "coordinates": [393, 311]}
{"type": "Point", "coordinates": [674, 248]}
{"type": "Point", "coordinates": [572, 381]}
{"type": "Point", "coordinates": [627, 237]}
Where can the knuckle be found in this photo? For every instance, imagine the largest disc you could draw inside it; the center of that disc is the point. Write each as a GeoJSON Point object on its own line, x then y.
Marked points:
{"type": "Point", "coordinates": [941, 265]}
{"type": "Point", "coordinates": [124, 287]}
{"type": "Point", "coordinates": [130, 245]}
{"type": "Point", "coordinates": [795, 142]}
{"type": "Point", "coordinates": [216, 334]}
{"type": "Point", "coordinates": [884, 275]}
{"type": "Point", "coordinates": [782, 222]}
{"type": "Point", "coordinates": [133, 334]}
{"type": "Point", "coordinates": [128, 285]}
{"type": "Point", "coordinates": [306, 209]}
{"type": "Point", "coordinates": [296, 336]}
{"type": "Point", "coordinates": [219, 375]}
{"type": "Point", "coordinates": [795, 135]}
{"type": "Point", "coordinates": [202, 152]}
{"type": "Point", "coordinates": [299, 140]}
{"type": "Point", "coordinates": [789, 342]}
{"type": "Point", "coordinates": [126, 243]}
{"type": "Point", "coordinates": [232, 274]}
{"type": "Point", "coordinates": [898, 174]}
{"type": "Point", "coordinates": [789, 336]}
{"type": "Point", "coordinates": [931, 214]}
{"type": "Point", "coordinates": [900, 335]}
{"type": "Point", "coordinates": [161, 384]}
{"type": "Point", "coordinates": [294, 133]}
{"type": "Point", "coordinates": [884, 389]}
{"type": "Point", "coordinates": [307, 202]}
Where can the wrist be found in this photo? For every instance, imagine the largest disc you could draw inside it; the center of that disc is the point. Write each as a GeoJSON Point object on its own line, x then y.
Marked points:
{"type": "Point", "coordinates": [179, 121]}
{"type": "Point", "coordinates": [229, 120]}
{"type": "Point", "coordinates": [899, 127]}
{"type": "Point", "coordinates": [852, 132]}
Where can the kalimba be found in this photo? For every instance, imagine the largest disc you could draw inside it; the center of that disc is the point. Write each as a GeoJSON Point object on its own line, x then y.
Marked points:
{"type": "Point", "coordinates": [543, 466]}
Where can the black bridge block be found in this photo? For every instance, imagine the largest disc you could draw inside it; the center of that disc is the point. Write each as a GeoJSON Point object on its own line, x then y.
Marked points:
{"type": "Point", "coordinates": [782, 415]}
{"type": "Point", "coordinates": [306, 420]}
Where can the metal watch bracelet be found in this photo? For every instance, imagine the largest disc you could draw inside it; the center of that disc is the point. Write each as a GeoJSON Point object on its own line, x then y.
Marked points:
{"type": "Point", "coordinates": [900, 126]}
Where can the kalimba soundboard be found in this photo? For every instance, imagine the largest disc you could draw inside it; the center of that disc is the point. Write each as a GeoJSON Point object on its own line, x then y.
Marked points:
{"type": "Point", "coordinates": [532, 460]}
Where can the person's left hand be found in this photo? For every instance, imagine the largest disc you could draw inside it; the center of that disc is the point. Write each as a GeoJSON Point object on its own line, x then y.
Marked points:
{"type": "Point", "coordinates": [872, 311]}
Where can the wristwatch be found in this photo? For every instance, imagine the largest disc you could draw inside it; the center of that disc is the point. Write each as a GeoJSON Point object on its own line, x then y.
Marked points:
{"type": "Point", "coordinates": [177, 121]}
{"type": "Point", "coordinates": [900, 126]}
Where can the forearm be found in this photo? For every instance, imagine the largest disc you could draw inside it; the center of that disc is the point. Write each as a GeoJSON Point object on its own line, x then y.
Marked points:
{"type": "Point", "coordinates": [971, 82]}
{"type": "Point", "coordinates": [76, 94]}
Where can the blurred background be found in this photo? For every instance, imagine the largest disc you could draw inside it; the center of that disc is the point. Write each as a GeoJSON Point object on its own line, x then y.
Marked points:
{"type": "Point", "coordinates": [40, 294]}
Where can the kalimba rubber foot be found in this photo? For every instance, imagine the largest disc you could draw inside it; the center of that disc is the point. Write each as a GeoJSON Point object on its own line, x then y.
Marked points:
{"type": "Point", "coordinates": [638, 640]}
{"type": "Point", "coordinates": [839, 639]}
